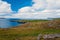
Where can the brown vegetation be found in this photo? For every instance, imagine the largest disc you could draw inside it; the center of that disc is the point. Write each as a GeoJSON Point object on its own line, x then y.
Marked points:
{"type": "Point", "coordinates": [30, 30]}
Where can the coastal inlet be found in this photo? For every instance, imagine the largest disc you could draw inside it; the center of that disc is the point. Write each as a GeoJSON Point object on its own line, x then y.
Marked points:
{"type": "Point", "coordinates": [8, 23]}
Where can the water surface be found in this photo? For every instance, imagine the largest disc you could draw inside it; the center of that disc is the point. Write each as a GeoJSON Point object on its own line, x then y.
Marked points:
{"type": "Point", "coordinates": [5, 23]}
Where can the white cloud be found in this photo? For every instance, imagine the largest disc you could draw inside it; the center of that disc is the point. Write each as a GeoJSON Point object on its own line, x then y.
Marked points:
{"type": "Point", "coordinates": [26, 10]}
{"type": "Point", "coordinates": [39, 5]}
{"type": "Point", "coordinates": [42, 9]}
{"type": "Point", "coordinates": [4, 8]}
{"type": "Point", "coordinates": [36, 15]}
{"type": "Point", "coordinates": [57, 4]}
{"type": "Point", "coordinates": [51, 4]}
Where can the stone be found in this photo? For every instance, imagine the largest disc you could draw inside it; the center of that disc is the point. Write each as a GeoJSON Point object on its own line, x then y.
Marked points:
{"type": "Point", "coordinates": [48, 36]}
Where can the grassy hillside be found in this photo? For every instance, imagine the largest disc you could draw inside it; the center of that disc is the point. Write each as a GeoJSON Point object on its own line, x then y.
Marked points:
{"type": "Point", "coordinates": [30, 30]}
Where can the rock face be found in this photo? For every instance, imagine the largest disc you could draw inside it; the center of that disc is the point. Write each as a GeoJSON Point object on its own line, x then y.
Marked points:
{"type": "Point", "coordinates": [48, 36]}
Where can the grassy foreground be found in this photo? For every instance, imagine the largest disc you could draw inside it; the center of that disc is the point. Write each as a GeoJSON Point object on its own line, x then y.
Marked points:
{"type": "Point", "coordinates": [30, 30]}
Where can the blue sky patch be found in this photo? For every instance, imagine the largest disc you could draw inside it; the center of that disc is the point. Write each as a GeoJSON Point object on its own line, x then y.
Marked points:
{"type": "Point", "coordinates": [17, 4]}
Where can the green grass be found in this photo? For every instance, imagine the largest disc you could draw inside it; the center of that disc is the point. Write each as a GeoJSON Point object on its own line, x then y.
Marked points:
{"type": "Point", "coordinates": [27, 31]}
{"type": "Point", "coordinates": [32, 20]}
{"type": "Point", "coordinates": [11, 35]}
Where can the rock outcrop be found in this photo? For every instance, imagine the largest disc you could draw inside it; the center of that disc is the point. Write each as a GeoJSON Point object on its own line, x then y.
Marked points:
{"type": "Point", "coordinates": [48, 36]}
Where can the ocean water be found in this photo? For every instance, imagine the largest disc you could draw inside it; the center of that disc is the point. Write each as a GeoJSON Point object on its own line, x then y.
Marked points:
{"type": "Point", "coordinates": [5, 23]}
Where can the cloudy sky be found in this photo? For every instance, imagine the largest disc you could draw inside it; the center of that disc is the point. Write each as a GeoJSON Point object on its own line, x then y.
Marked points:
{"type": "Point", "coordinates": [30, 9]}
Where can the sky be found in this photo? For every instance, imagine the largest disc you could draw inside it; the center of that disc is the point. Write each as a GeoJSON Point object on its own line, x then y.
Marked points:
{"type": "Point", "coordinates": [30, 9]}
{"type": "Point", "coordinates": [17, 4]}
